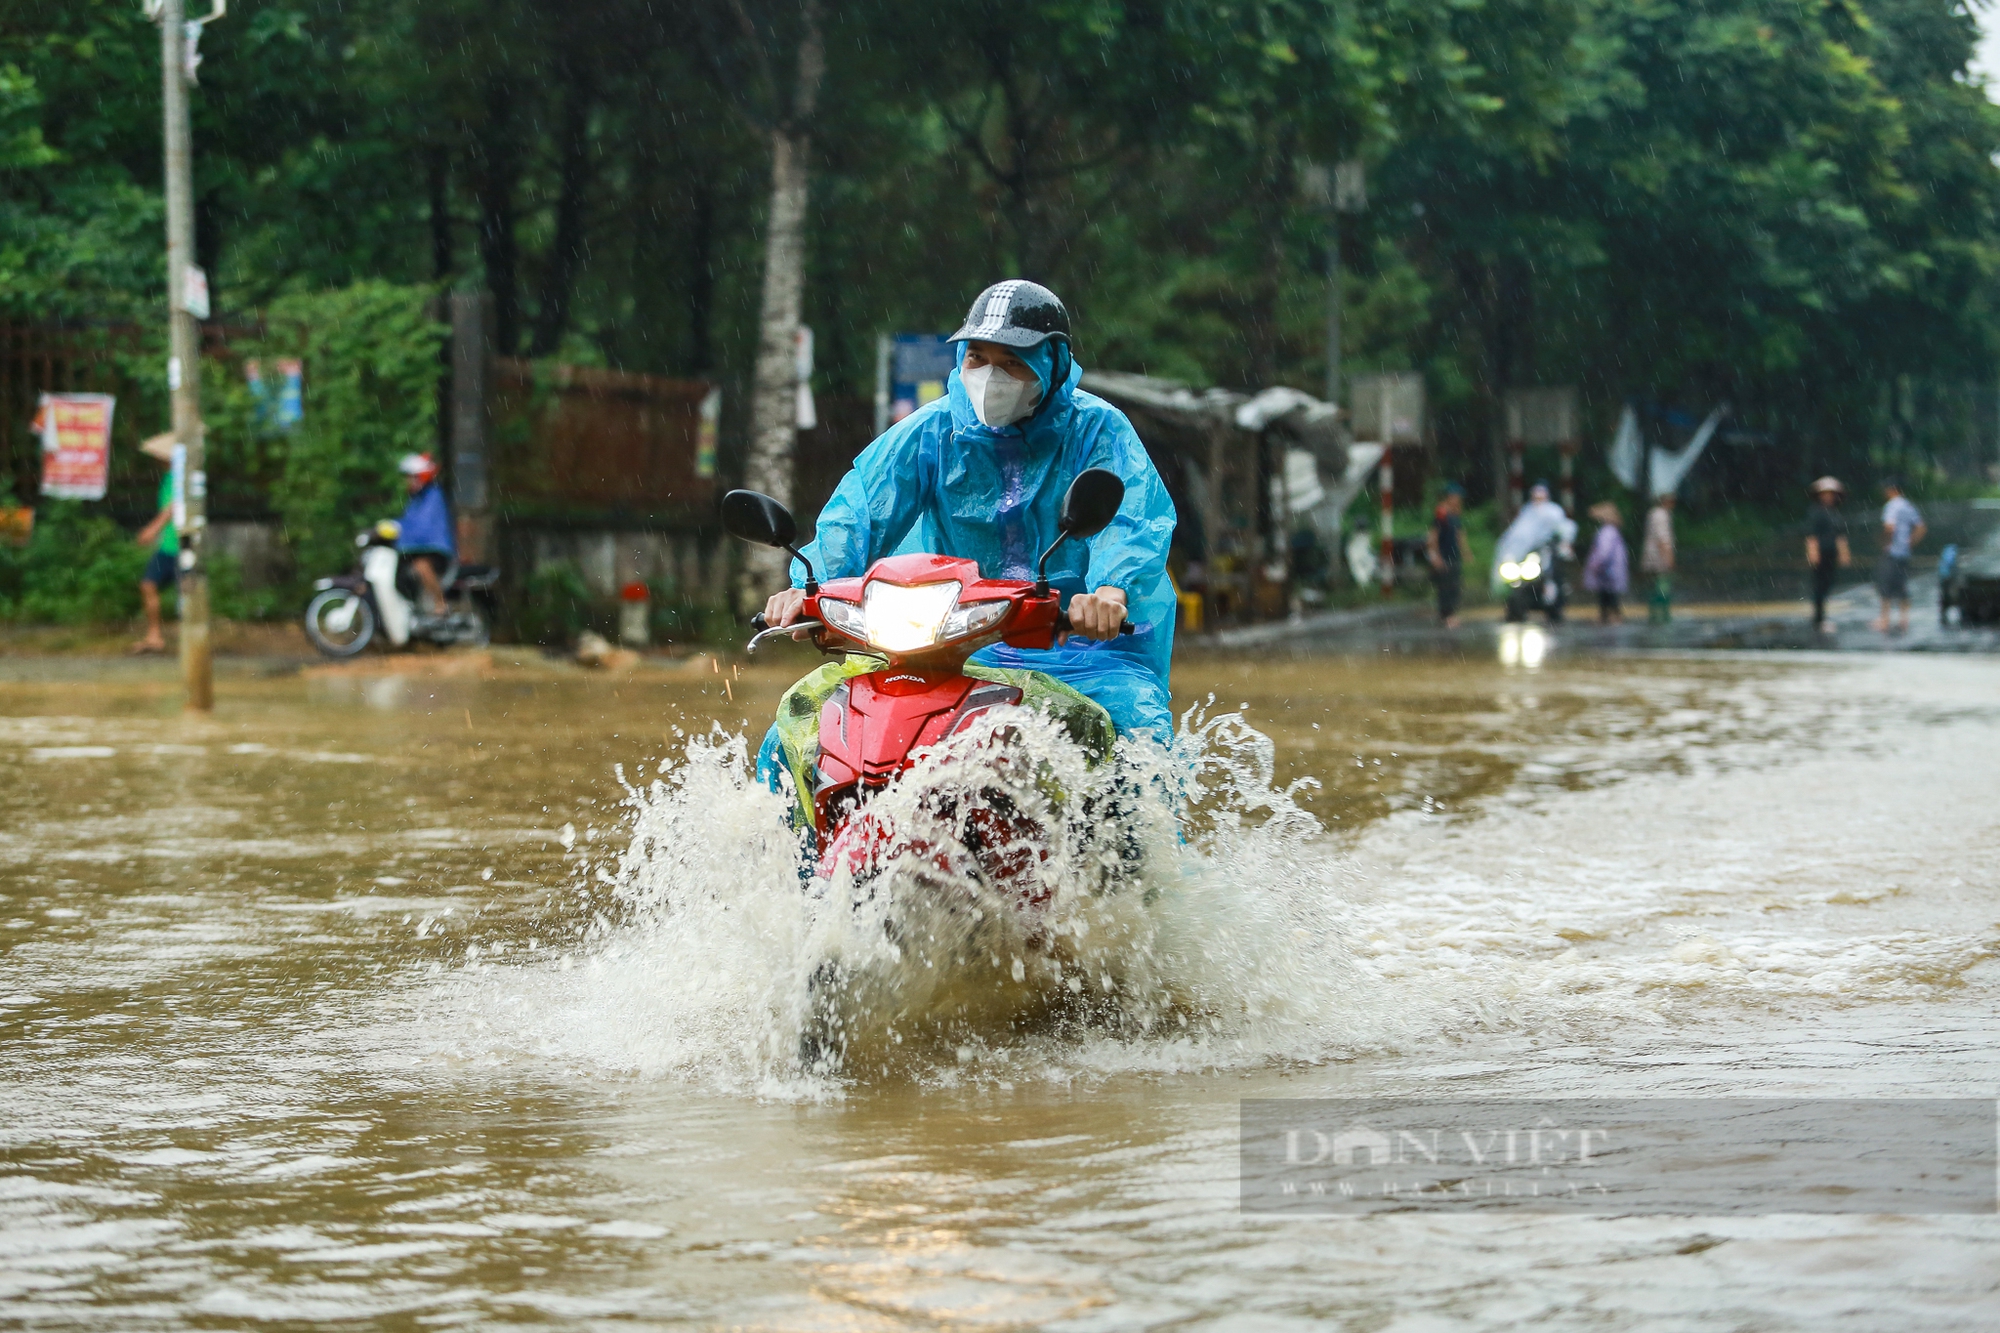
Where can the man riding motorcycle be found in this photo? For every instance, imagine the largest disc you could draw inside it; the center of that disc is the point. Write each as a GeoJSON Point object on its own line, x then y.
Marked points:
{"type": "Point", "coordinates": [426, 539]}
{"type": "Point", "coordinates": [980, 474]}
{"type": "Point", "coordinates": [1526, 555]}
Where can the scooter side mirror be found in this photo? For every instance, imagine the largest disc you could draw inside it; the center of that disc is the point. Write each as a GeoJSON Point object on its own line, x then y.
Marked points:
{"type": "Point", "coordinates": [755, 517]}
{"type": "Point", "coordinates": [1091, 503]}
{"type": "Point", "coordinates": [1088, 507]}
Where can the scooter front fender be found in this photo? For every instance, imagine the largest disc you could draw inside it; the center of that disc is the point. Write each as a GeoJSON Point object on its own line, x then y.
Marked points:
{"type": "Point", "coordinates": [378, 567]}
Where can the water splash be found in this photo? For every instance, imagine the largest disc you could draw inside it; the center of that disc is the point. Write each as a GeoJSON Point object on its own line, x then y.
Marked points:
{"type": "Point", "coordinates": [1030, 915]}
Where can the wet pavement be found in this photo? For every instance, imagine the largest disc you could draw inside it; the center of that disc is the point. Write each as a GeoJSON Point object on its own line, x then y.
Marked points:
{"type": "Point", "coordinates": [350, 1005]}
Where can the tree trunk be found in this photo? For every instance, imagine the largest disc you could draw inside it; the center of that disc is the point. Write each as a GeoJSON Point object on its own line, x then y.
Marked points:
{"type": "Point", "coordinates": [1502, 294]}
{"type": "Point", "coordinates": [774, 397]}
{"type": "Point", "coordinates": [438, 170]}
{"type": "Point", "coordinates": [566, 253]}
{"type": "Point", "coordinates": [499, 167]}
{"type": "Point", "coordinates": [1271, 189]}
{"type": "Point", "coordinates": [1262, 327]}
{"type": "Point", "coordinates": [701, 281]}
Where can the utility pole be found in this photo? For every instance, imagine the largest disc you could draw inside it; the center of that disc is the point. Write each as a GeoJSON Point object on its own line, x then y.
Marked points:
{"type": "Point", "coordinates": [185, 345]}
{"type": "Point", "coordinates": [177, 38]}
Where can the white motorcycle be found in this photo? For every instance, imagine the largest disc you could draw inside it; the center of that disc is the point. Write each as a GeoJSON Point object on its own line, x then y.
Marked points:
{"type": "Point", "coordinates": [347, 612]}
{"type": "Point", "coordinates": [1527, 562]}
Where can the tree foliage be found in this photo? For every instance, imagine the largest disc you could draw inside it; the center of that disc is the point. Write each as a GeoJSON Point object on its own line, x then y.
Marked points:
{"type": "Point", "coordinates": [1788, 204]}
{"type": "Point", "coordinates": [371, 355]}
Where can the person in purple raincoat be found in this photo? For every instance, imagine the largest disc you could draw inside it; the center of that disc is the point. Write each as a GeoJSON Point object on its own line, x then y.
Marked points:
{"type": "Point", "coordinates": [1607, 570]}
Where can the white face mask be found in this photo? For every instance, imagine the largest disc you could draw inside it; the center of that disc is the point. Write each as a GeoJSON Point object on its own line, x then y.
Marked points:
{"type": "Point", "coordinates": [999, 398]}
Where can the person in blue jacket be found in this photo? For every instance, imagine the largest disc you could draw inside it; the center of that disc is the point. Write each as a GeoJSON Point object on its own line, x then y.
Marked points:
{"type": "Point", "coordinates": [980, 474]}
{"type": "Point", "coordinates": [426, 539]}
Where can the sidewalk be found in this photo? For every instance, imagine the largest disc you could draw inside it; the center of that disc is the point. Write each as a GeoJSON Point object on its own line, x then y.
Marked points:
{"type": "Point", "coordinates": [1764, 626]}
{"type": "Point", "coordinates": [1852, 613]}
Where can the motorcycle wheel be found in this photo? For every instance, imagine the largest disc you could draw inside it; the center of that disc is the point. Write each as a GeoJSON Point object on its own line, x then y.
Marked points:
{"type": "Point", "coordinates": [335, 642]}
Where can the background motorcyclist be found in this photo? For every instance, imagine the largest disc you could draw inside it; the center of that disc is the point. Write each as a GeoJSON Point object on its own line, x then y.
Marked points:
{"type": "Point", "coordinates": [1541, 521]}
{"type": "Point", "coordinates": [426, 542]}
{"type": "Point", "coordinates": [980, 474]}
{"type": "Point", "coordinates": [1541, 526]}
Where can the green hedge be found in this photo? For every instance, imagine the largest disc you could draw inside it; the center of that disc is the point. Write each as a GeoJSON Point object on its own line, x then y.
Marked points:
{"type": "Point", "coordinates": [77, 569]}
{"type": "Point", "coordinates": [81, 568]}
{"type": "Point", "coordinates": [371, 354]}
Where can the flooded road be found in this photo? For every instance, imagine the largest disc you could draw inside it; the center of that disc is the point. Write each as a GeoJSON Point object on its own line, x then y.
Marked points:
{"type": "Point", "coordinates": [356, 1004]}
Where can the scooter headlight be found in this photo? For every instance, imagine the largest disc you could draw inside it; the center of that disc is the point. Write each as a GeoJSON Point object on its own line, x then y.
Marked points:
{"type": "Point", "coordinates": [388, 529]}
{"type": "Point", "coordinates": [1531, 568]}
{"type": "Point", "coordinates": [1510, 572]}
{"type": "Point", "coordinates": [844, 616]}
{"type": "Point", "coordinates": [901, 619]}
{"type": "Point", "coordinates": [972, 618]}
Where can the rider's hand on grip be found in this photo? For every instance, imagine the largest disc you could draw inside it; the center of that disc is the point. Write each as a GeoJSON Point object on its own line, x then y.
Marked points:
{"type": "Point", "coordinates": [1098, 615]}
{"type": "Point", "coordinates": [1064, 627]}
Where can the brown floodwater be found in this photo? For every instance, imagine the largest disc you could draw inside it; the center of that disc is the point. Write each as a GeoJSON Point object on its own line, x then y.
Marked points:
{"type": "Point", "coordinates": [410, 1001]}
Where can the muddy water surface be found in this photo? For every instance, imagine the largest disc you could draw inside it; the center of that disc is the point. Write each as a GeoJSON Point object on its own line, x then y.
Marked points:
{"type": "Point", "coordinates": [351, 1004]}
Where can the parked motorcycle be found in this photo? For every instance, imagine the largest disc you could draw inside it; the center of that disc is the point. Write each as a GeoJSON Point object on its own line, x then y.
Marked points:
{"type": "Point", "coordinates": [347, 612]}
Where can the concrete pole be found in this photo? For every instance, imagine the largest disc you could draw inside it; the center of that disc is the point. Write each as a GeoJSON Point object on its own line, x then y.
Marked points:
{"type": "Point", "coordinates": [471, 419]}
{"type": "Point", "coordinates": [1568, 448]}
{"type": "Point", "coordinates": [1387, 426]}
{"type": "Point", "coordinates": [884, 350]}
{"type": "Point", "coordinates": [1334, 296]}
{"type": "Point", "coordinates": [1387, 476]}
{"type": "Point", "coordinates": [184, 364]}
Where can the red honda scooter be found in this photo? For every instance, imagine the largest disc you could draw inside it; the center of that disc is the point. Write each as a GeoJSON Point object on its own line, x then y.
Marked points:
{"type": "Point", "coordinates": [923, 616]}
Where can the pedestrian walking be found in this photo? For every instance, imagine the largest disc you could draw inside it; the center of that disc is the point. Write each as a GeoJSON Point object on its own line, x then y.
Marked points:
{"type": "Point", "coordinates": [1656, 559]}
{"type": "Point", "coordinates": [1607, 570]}
{"type": "Point", "coordinates": [163, 569]}
{"type": "Point", "coordinates": [1902, 528]}
{"type": "Point", "coordinates": [1826, 545]}
{"type": "Point", "coordinates": [1448, 551]}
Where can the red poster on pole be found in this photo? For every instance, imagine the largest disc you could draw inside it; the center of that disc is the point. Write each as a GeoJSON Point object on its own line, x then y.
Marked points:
{"type": "Point", "coordinates": [76, 444]}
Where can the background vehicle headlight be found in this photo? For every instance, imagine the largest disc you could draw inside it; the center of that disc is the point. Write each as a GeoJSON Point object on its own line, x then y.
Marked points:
{"type": "Point", "coordinates": [900, 618]}
{"type": "Point", "coordinates": [970, 619]}
{"type": "Point", "coordinates": [843, 616]}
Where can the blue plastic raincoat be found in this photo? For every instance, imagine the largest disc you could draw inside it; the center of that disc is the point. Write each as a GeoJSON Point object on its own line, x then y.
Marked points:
{"type": "Point", "coordinates": [427, 525]}
{"type": "Point", "coordinates": [939, 481]}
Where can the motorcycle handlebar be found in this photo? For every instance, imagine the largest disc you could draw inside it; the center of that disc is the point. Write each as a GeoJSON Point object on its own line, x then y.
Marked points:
{"type": "Point", "coordinates": [757, 622]}
{"type": "Point", "coordinates": [1064, 627]}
